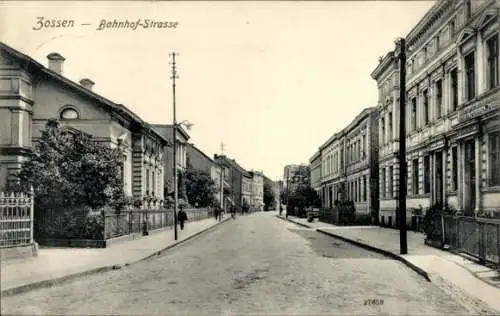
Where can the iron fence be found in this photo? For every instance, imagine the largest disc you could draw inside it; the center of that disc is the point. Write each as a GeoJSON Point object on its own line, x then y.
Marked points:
{"type": "Point", "coordinates": [16, 219]}
{"type": "Point", "coordinates": [479, 238]}
{"type": "Point", "coordinates": [132, 221]}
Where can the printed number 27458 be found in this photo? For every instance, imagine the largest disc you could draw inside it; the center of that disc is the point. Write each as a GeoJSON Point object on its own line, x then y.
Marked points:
{"type": "Point", "coordinates": [374, 302]}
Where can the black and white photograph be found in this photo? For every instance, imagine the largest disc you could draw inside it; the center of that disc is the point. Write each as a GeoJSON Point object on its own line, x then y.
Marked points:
{"type": "Point", "coordinates": [250, 157]}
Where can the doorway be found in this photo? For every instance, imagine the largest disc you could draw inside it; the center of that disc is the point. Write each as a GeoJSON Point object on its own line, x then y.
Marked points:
{"type": "Point", "coordinates": [470, 177]}
{"type": "Point", "coordinates": [439, 177]}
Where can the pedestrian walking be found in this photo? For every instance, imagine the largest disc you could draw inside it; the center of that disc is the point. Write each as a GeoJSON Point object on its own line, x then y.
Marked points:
{"type": "Point", "coordinates": [182, 217]}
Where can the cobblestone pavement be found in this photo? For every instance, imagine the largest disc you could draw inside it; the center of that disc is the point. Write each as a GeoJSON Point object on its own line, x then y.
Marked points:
{"type": "Point", "coordinates": [257, 264]}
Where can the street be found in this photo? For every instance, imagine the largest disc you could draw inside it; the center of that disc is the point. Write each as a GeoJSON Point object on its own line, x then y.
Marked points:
{"type": "Point", "coordinates": [256, 264]}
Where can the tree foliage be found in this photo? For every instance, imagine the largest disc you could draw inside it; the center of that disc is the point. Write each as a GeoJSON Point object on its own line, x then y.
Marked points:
{"type": "Point", "coordinates": [73, 170]}
{"type": "Point", "coordinates": [269, 196]}
{"type": "Point", "coordinates": [200, 188]}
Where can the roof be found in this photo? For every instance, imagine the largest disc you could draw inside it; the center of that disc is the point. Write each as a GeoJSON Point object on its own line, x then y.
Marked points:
{"type": "Point", "coordinates": [121, 109]}
{"type": "Point", "coordinates": [179, 128]}
{"type": "Point", "coordinates": [233, 163]}
{"type": "Point", "coordinates": [201, 152]}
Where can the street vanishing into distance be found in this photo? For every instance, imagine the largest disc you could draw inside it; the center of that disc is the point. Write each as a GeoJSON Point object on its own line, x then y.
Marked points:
{"type": "Point", "coordinates": [256, 264]}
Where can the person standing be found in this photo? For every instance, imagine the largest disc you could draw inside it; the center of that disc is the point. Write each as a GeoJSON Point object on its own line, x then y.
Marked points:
{"type": "Point", "coordinates": [182, 218]}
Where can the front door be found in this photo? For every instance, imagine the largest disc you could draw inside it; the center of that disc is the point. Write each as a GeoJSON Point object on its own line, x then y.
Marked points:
{"type": "Point", "coordinates": [470, 177]}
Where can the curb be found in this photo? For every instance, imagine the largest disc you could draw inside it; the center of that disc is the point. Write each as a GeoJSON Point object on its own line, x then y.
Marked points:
{"type": "Point", "coordinates": [73, 276]}
{"type": "Point", "coordinates": [386, 253]}
{"type": "Point", "coordinates": [292, 221]}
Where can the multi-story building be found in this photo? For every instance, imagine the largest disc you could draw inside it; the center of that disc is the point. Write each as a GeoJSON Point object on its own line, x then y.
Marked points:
{"type": "Point", "coordinates": [31, 94]}
{"type": "Point", "coordinates": [349, 165]}
{"type": "Point", "coordinates": [453, 107]}
{"type": "Point", "coordinates": [197, 159]}
{"type": "Point", "coordinates": [315, 168]}
{"type": "Point", "coordinates": [288, 172]}
{"type": "Point", "coordinates": [246, 188]}
{"type": "Point", "coordinates": [257, 200]}
{"type": "Point", "coordinates": [167, 132]}
{"type": "Point", "coordinates": [235, 178]}
{"type": "Point", "coordinates": [387, 76]}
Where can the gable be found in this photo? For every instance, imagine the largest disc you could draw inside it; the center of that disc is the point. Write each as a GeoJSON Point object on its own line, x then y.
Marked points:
{"type": "Point", "coordinates": [465, 35]}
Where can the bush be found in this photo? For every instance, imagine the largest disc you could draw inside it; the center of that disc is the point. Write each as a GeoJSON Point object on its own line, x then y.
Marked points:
{"type": "Point", "coordinates": [432, 221]}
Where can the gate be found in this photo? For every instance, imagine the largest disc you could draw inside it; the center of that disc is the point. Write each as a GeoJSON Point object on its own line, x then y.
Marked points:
{"type": "Point", "coordinates": [16, 219]}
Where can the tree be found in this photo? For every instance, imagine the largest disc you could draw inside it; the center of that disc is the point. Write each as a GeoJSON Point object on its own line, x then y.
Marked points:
{"type": "Point", "coordinates": [70, 169]}
{"type": "Point", "coordinates": [269, 197]}
{"type": "Point", "coordinates": [200, 188]}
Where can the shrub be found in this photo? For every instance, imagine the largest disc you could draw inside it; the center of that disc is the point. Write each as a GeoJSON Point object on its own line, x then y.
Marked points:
{"type": "Point", "coordinates": [432, 221]}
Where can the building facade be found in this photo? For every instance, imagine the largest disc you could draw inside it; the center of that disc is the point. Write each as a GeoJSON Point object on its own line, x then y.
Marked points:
{"type": "Point", "coordinates": [349, 165]}
{"type": "Point", "coordinates": [167, 132]}
{"type": "Point", "coordinates": [315, 168]}
{"type": "Point", "coordinates": [31, 94]}
{"type": "Point", "coordinates": [288, 172]}
{"type": "Point", "coordinates": [452, 109]}
{"type": "Point", "coordinates": [257, 199]}
{"type": "Point", "coordinates": [387, 76]}
{"type": "Point", "coordinates": [246, 188]}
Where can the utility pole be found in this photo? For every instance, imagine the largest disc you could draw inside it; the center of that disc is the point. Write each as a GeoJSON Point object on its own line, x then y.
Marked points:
{"type": "Point", "coordinates": [403, 242]}
{"type": "Point", "coordinates": [176, 202]}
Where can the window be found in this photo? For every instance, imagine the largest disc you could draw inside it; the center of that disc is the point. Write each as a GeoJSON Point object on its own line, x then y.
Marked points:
{"type": "Point", "coordinates": [454, 89]}
{"type": "Point", "coordinates": [439, 98]}
{"type": "Point", "coordinates": [364, 145]}
{"type": "Point", "coordinates": [413, 118]}
{"type": "Point", "coordinates": [355, 190]}
{"type": "Point", "coordinates": [452, 28]}
{"type": "Point", "coordinates": [382, 182]}
{"type": "Point", "coordinates": [153, 182]}
{"type": "Point", "coordinates": [389, 125]}
{"type": "Point", "coordinates": [438, 43]}
{"type": "Point", "coordinates": [425, 96]}
{"type": "Point", "coordinates": [454, 168]}
{"type": "Point", "coordinates": [414, 169]}
{"type": "Point", "coordinates": [492, 45]}
{"type": "Point", "coordinates": [364, 188]}
{"type": "Point", "coordinates": [468, 8]}
{"type": "Point", "coordinates": [470, 72]}
{"type": "Point", "coordinates": [389, 185]}
{"type": "Point", "coordinates": [382, 131]}
{"type": "Point", "coordinates": [494, 140]}
{"type": "Point", "coordinates": [69, 114]}
{"type": "Point", "coordinates": [147, 181]}
{"type": "Point", "coordinates": [427, 178]}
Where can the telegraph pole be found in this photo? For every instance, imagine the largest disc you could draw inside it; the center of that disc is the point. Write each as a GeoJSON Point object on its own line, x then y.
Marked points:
{"type": "Point", "coordinates": [403, 242]}
{"type": "Point", "coordinates": [176, 202]}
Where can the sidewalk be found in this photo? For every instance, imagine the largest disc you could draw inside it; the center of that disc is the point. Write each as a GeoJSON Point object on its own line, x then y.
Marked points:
{"type": "Point", "coordinates": [436, 265]}
{"type": "Point", "coordinates": [54, 265]}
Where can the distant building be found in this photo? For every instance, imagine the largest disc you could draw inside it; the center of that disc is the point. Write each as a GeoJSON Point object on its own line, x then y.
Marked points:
{"type": "Point", "coordinates": [237, 176]}
{"type": "Point", "coordinates": [288, 172]}
{"type": "Point", "coordinates": [315, 169]}
{"type": "Point", "coordinates": [167, 132]}
{"type": "Point", "coordinates": [349, 165]}
{"type": "Point", "coordinates": [197, 159]}
{"type": "Point", "coordinates": [257, 200]}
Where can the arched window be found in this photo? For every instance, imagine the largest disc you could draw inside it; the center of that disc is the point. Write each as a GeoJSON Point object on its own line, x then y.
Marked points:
{"type": "Point", "coordinates": [69, 113]}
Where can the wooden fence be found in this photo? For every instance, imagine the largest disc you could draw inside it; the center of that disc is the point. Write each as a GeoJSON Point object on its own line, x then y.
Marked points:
{"type": "Point", "coordinates": [16, 219]}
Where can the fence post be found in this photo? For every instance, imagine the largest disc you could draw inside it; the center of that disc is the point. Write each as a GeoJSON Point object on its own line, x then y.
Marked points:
{"type": "Point", "coordinates": [498, 244]}
{"type": "Point", "coordinates": [458, 232]}
{"type": "Point", "coordinates": [442, 229]}
{"type": "Point", "coordinates": [32, 215]}
{"type": "Point", "coordinates": [482, 243]}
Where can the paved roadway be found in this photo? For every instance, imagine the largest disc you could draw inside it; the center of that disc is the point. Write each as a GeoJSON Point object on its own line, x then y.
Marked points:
{"type": "Point", "coordinates": [256, 264]}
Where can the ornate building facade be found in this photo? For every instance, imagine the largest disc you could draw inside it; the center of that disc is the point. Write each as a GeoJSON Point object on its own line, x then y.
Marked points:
{"type": "Point", "coordinates": [453, 109]}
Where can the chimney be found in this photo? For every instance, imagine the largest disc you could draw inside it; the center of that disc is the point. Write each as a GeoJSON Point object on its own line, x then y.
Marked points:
{"type": "Point", "coordinates": [87, 83]}
{"type": "Point", "coordinates": [56, 61]}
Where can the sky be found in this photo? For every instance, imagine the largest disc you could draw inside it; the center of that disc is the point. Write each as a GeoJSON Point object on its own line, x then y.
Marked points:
{"type": "Point", "coordinates": [272, 81]}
